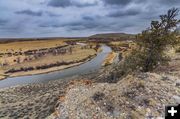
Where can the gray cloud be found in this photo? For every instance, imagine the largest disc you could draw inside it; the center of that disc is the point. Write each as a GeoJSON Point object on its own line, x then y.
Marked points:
{"type": "Point", "coordinates": [124, 13]}
{"type": "Point", "coordinates": [3, 22]}
{"type": "Point", "coordinates": [30, 12]}
{"type": "Point", "coordinates": [78, 17]}
{"type": "Point", "coordinates": [49, 24]}
{"type": "Point", "coordinates": [83, 25]}
{"type": "Point", "coordinates": [169, 2]}
{"type": "Point", "coordinates": [88, 18]}
{"type": "Point", "coordinates": [59, 3]}
{"type": "Point", "coordinates": [68, 3]}
{"type": "Point", "coordinates": [85, 5]}
{"type": "Point", "coordinates": [117, 2]}
{"type": "Point", "coordinates": [51, 14]}
{"type": "Point", "coordinates": [126, 2]}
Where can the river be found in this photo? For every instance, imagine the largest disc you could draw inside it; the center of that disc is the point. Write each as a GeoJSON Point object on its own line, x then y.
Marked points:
{"type": "Point", "coordinates": [85, 68]}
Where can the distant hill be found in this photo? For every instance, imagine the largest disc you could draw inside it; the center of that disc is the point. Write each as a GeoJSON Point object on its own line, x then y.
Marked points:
{"type": "Point", "coordinates": [117, 36]}
{"type": "Point", "coordinates": [113, 35]}
{"type": "Point", "coordinates": [7, 40]}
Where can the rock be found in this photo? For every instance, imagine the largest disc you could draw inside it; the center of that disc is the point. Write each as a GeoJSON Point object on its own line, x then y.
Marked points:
{"type": "Point", "coordinates": [143, 76]}
{"type": "Point", "coordinates": [178, 83]}
{"type": "Point", "coordinates": [116, 113]}
{"type": "Point", "coordinates": [26, 117]}
{"type": "Point", "coordinates": [177, 99]}
{"type": "Point", "coordinates": [165, 78]}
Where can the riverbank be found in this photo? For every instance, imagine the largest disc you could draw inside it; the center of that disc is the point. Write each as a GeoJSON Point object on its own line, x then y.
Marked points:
{"type": "Point", "coordinates": [53, 69]}
{"type": "Point", "coordinates": [85, 68]}
{"type": "Point", "coordinates": [2, 77]}
{"type": "Point", "coordinates": [35, 101]}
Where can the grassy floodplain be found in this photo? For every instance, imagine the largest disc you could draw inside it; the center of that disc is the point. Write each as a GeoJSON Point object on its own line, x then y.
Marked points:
{"type": "Point", "coordinates": [29, 57]}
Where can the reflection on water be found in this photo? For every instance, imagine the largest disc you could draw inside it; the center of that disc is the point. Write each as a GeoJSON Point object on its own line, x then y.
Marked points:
{"type": "Point", "coordinates": [87, 67]}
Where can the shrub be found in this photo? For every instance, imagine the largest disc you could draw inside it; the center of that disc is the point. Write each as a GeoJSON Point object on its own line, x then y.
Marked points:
{"type": "Point", "coordinates": [154, 41]}
{"type": "Point", "coordinates": [98, 96]}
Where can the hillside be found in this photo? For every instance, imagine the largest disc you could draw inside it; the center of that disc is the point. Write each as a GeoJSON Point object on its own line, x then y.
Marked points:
{"type": "Point", "coordinates": [114, 35]}
{"type": "Point", "coordinates": [134, 97]}
{"type": "Point", "coordinates": [138, 96]}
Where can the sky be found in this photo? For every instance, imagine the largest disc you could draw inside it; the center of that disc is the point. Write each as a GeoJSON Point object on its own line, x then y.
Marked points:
{"type": "Point", "coordinates": [78, 18]}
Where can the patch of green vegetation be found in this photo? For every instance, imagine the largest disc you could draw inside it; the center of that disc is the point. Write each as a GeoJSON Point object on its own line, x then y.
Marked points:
{"type": "Point", "coordinates": [138, 113]}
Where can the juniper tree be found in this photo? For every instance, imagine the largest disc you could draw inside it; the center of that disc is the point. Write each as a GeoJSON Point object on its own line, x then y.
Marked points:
{"type": "Point", "coordinates": [153, 41]}
{"type": "Point", "coordinates": [151, 45]}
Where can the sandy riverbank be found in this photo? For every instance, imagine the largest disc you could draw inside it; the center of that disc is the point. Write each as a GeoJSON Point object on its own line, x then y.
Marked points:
{"type": "Point", "coordinates": [2, 77]}
{"type": "Point", "coordinates": [109, 59]}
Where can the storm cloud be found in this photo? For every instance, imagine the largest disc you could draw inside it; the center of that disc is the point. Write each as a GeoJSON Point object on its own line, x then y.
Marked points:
{"type": "Point", "coordinates": [68, 18]}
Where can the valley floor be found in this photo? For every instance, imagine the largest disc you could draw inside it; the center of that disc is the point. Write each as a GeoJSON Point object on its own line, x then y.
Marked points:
{"type": "Point", "coordinates": [138, 96]}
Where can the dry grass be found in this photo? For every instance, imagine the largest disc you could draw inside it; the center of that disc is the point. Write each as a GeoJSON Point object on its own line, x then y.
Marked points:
{"type": "Point", "coordinates": [30, 45]}
{"type": "Point", "coordinates": [120, 43]}
{"type": "Point", "coordinates": [126, 47]}
{"type": "Point", "coordinates": [1, 77]}
{"type": "Point", "coordinates": [77, 55]}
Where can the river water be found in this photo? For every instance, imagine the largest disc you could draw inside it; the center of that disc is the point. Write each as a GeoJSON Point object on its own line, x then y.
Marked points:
{"type": "Point", "coordinates": [85, 68]}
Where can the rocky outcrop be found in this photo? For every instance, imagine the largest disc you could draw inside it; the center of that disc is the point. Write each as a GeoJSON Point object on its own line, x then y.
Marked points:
{"type": "Point", "coordinates": [141, 96]}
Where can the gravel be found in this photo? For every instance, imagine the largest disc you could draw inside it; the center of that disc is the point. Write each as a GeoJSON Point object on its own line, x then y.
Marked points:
{"type": "Point", "coordinates": [34, 100]}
